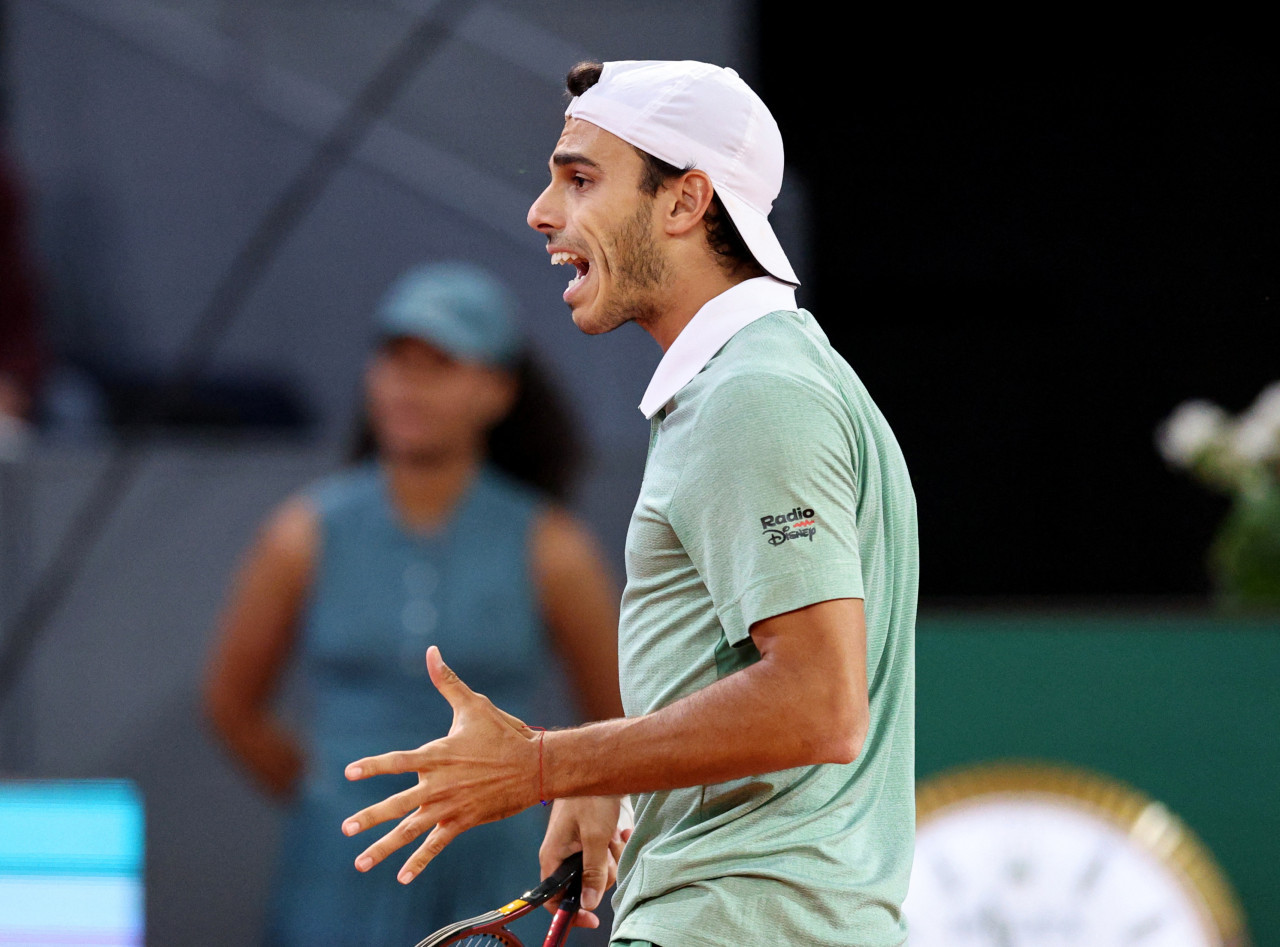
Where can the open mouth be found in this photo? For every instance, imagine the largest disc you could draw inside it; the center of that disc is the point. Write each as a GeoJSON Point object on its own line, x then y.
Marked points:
{"type": "Point", "coordinates": [565, 257]}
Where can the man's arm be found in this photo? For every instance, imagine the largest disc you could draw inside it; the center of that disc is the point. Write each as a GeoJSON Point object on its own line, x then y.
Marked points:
{"type": "Point", "coordinates": [804, 702]}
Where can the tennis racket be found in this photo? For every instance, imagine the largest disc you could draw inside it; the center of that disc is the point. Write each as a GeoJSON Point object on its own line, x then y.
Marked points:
{"type": "Point", "coordinates": [489, 930]}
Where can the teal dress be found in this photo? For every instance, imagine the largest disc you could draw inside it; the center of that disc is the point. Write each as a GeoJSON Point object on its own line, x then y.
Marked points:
{"type": "Point", "coordinates": [381, 595]}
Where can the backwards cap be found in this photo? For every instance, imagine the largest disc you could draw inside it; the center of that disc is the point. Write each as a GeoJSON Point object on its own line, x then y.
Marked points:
{"type": "Point", "coordinates": [695, 115]}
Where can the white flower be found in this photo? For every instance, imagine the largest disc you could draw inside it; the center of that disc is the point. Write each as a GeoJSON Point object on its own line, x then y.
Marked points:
{"type": "Point", "coordinates": [1265, 407]}
{"type": "Point", "coordinates": [1256, 437]}
{"type": "Point", "coordinates": [1193, 427]}
{"type": "Point", "coordinates": [1256, 440]}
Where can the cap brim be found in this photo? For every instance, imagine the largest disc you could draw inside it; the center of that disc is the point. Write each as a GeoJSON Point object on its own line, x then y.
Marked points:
{"type": "Point", "coordinates": [758, 236]}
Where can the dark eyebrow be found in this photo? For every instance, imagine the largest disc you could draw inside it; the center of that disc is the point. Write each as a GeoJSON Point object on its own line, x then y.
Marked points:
{"type": "Point", "coordinates": [562, 158]}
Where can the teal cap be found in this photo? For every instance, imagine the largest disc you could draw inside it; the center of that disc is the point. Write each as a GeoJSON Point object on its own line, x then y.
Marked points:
{"type": "Point", "coordinates": [459, 308]}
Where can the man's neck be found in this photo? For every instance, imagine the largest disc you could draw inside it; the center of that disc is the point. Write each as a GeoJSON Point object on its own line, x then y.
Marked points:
{"type": "Point", "coordinates": [686, 295]}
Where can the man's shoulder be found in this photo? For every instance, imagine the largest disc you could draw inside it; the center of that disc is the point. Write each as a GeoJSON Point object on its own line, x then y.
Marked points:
{"type": "Point", "coordinates": [787, 343]}
{"type": "Point", "coordinates": [782, 355]}
{"type": "Point", "coordinates": [782, 329]}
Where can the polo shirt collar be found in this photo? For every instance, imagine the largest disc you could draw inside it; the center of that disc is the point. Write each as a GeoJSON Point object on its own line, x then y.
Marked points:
{"type": "Point", "coordinates": [711, 327]}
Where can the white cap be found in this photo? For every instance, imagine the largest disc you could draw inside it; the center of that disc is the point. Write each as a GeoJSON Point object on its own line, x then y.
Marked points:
{"type": "Point", "coordinates": [695, 115]}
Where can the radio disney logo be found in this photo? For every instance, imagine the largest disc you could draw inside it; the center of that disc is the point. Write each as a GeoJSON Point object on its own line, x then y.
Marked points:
{"type": "Point", "coordinates": [798, 524]}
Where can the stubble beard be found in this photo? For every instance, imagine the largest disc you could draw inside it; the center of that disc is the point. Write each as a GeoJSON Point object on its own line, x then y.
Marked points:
{"type": "Point", "coordinates": [639, 272]}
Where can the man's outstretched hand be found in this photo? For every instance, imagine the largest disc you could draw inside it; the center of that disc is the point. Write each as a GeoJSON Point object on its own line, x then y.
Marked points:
{"type": "Point", "coordinates": [485, 769]}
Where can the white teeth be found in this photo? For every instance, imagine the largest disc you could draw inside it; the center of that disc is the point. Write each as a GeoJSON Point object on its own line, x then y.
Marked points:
{"type": "Point", "coordinates": [564, 256]}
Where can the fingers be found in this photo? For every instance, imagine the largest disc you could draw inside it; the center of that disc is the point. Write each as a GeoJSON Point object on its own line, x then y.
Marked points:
{"type": "Point", "coordinates": [588, 824]}
{"type": "Point", "coordinates": [446, 681]}
{"type": "Point", "coordinates": [595, 874]}
{"type": "Point", "coordinates": [596, 866]}
{"type": "Point", "coordinates": [399, 761]}
{"type": "Point", "coordinates": [458, 694]}
{"type": "Point", "coordinates": [404, 833]}
{"type": "Point", "coordinates": [583, 918]}
{"type": "Point", "coordinates": [393, 807]}
{"type": "Point", "coordinates": [434, 844]}
{"type": "Point", "coordinates": [621, 836]}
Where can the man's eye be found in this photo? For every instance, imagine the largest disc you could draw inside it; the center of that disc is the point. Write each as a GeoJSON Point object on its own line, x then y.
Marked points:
{"type": "Point", "coordinates": [579, 181]}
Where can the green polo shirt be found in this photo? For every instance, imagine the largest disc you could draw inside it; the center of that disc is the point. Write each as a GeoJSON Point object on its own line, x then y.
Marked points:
{"type": "Point", "coordinates": [772, 482]}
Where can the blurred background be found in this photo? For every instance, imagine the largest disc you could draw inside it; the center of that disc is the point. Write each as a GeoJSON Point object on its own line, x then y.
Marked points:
{"type": "Point", "coordinates": [1032, 251]}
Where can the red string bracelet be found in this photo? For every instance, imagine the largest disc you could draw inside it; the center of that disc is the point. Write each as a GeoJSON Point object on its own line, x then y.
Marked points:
{"type": "Point", "coordinates": [542, 796]}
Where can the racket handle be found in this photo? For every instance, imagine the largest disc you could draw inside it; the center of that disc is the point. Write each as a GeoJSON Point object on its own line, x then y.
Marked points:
{"type": "Point", "coordinates": [565, 913]}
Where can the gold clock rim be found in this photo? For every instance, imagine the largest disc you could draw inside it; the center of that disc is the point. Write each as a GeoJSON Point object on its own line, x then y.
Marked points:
{"type": "Point", "coordinates": [1152, 824]}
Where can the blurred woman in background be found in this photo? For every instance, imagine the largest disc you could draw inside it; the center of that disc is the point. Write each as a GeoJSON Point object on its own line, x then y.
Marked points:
{"type": "Point", "coordinates": [449, 534]}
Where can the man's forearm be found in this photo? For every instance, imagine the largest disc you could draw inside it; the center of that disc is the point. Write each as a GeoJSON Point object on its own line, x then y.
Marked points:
{"type": "Point", "coordinates": [758, 720]}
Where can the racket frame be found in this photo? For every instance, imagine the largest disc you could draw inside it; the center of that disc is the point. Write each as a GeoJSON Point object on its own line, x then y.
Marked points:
{"type": "Point", "coordinates": [567, 878]}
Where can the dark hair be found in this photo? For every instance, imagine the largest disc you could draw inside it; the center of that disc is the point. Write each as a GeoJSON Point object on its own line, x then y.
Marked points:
{"type": "Point", "coordinates": [723, 237]}
{"type": "Point", "coordinates": [537, 442]}
{"type": "Point", "coordinates": [583, 76]}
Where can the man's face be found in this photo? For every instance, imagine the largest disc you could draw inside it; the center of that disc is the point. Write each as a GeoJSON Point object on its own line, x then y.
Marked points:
{"type": "Point", "coordinates": [596, 218]}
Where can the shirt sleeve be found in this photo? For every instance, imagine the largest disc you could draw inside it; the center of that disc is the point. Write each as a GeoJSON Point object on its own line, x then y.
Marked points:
{"type": "Point", "coordinates": [766, 505]}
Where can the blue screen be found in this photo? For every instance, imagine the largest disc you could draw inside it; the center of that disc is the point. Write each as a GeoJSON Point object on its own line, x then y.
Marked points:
{"type": "Point", "coordinates": [71, 863]}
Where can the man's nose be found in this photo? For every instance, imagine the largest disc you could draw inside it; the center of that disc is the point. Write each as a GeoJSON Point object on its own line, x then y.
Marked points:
{"type": "Point", "coordinates": [542, 214]}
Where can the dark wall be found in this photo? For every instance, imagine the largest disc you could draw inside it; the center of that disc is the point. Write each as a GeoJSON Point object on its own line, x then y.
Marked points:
{"type": "Point", "coordinates": [4, 70]}
{"type": "Point", "coordinates": [1031, 257]}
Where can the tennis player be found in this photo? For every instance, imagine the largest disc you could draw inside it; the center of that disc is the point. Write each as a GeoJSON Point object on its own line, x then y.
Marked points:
{"type": "Point", "coordinates": [766, 639]}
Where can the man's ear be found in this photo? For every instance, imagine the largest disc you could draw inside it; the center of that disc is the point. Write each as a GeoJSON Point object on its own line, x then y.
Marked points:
{"type": "Point", "coordinates": [688, 198]}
